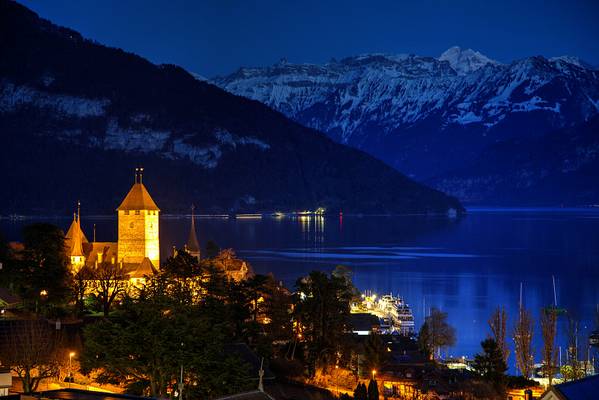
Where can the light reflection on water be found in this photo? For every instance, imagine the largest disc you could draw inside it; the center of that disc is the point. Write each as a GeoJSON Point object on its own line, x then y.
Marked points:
{"type": "Point", "coordinates": [465, 267]}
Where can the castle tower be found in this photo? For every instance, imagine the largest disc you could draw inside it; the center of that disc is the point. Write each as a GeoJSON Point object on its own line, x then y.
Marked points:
{"type": "Point", "coordinates": [193, 246]}
{"type": "Point", "coordinates": [138, 235]}
{"type": "Point", "coordinates": [74, 240]}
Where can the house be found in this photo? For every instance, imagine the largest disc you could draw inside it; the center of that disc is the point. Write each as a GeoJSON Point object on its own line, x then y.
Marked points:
{"type": "Point", "coordinates": [5, 381]}
{"type": "Point", "coordinates": [581, 389]}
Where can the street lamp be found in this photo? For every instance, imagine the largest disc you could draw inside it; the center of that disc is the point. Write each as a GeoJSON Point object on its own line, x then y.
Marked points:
{"type": "Point", "coordinates": [373, 373]}
{"type": "Point", "coordinates": [70, 378]}
{"type": "Point", "coordinates": [337, 379]}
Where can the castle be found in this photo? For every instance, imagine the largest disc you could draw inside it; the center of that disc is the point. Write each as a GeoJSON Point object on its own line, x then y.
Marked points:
{"type": "Point", "coordinates": [137, 249]}
{"type": "Point", "coordinates": [136, 253]}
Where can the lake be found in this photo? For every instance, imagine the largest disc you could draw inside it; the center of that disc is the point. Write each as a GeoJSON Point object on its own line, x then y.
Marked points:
{"type": "Point", "coordinates": [466, 267]}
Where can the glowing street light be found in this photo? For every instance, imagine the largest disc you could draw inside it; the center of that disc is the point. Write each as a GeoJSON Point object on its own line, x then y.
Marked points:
{"type": "Point", "coordinates": [373, 373]}
{"type": "Point", "coordinates": [337, 379]}
{"type": "Point", "coordinates": [71, 355]}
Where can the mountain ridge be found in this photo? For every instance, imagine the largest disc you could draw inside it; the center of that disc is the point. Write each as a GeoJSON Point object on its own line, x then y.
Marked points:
{"type": "Point", "coordinates": [418, 113]}
{"type": "Point", "coordinates": [76, 117]}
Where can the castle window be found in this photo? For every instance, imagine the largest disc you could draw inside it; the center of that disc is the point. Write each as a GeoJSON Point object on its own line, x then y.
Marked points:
{"type": "Point", "coordinates": [99, 257]}
{"type": "Point", "coordinates": [126, 212]}
{"type": "Point", "coordinates": [131, 225]}
{"type": "Point", "coordinates": [136, 212]}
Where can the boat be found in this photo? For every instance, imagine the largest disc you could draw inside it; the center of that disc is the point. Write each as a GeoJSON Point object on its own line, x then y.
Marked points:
{"type": "Point", "coordinates": [399, 313]}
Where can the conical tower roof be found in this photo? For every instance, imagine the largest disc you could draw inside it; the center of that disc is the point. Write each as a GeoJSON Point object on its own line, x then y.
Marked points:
{"type": "Point", "coordinates": [193, 245]}
{"type": "Point", "coordinates": [75, 226]}
{"type": "Point", "coordinates": [138, 198]}
{"type": "Point", "coordinates": [75, 238]}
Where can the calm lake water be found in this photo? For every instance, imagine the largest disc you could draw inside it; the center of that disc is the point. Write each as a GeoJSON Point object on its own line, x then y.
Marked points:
{"type": "Point", "coordinates": [466, 267]}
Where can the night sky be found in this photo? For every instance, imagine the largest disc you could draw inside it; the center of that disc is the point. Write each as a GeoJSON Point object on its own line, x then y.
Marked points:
{"type": "Point", "coordinates": [217, 37]}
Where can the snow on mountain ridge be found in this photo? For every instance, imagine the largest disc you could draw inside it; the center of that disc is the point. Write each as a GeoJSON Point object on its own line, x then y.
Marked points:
{"type": "Point", "coordinates": [398, 91]}
{"type": "Point", "coordinates": [465, 61]}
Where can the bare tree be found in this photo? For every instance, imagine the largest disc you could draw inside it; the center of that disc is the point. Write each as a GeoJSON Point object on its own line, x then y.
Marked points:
{"type": "Point", "coordinates": [572, 370]}
{"type": "Point", "coordinates": [497, 323]}
{"type": "Point", "coordinates": [81, 283]}
{"type": "Point", "coordinates": [31, 349]}
{"type": "Point", "coordinates": [109, 283]}
{"type": "Point", "coordinates": [523, 343]}
{"type": "Point", "coordinates": [549, 332]}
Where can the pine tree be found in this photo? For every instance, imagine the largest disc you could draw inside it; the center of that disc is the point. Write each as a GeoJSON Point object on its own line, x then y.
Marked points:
{"type": "Point", "coordinates": [373, 390]}
{"type": "Point", "coordinates": [490, 364]}
{"type": "Point", "coordinates": [360, 392]}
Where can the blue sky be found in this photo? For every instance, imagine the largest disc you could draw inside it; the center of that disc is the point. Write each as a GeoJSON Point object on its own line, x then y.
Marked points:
{"type": "Point", "coordinates": [217, 37]}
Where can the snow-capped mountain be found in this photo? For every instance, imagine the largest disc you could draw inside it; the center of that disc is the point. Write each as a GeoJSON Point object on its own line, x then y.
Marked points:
{"type": "Point", "coordinates": [426, 116]}
{"type": "Point", "coordinates": [465, 61]}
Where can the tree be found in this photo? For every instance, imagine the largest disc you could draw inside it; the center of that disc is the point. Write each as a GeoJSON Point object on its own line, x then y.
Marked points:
{"type": "Point", "coordinates": [109, 284]}
{"type": "Point", "coordinates": [32, 350]}
{"type": "Point", "coordinates": [573, 371]}
{"type": "Point", "coordinates": [153, 335]}
{"type": "Point", "coordinates": [375, 352]}
{"type": "Point", "coordinates": [81, 283]}
{"type": "Point", "coordinates": [322, 311]}
{"type": "Point", "coordinates": [498, 323]}
{"type": "Point", "coordinates": [549, 332]}
{"type": "Point", "coordinates": [436, 333]}
{"type": "Point", "coordinates": [345, 273]}
{"type": "Point", "coordinates": [523, 332]}
{"type": "Point", "coordinates": [373, 390]}
{"type": "Point", "coordinates": [490, 364]}
{"type": "Point", "coordinates": [360, 392]}
{"type": "Point", "coordinates": [212, 249]}
{"type": "Point", "coordinates": [39, 273]}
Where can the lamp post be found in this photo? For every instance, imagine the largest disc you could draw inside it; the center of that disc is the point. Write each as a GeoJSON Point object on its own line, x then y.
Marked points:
{"type": "Point", "coordinates": [337, 379]}
{"type": "Point", "coordinates": [373, 373]}
{"type": "Point", "coordinates": [70, 377]}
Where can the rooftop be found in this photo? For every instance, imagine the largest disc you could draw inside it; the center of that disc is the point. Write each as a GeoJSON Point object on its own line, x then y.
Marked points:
{"type": "Point", "coordinates": [138, 198]}
{"type": "Point", "coordinates": [581, 389]}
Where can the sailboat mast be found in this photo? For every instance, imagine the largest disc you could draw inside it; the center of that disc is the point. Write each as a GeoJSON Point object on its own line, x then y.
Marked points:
{"type": "Point", "coordinates": [554, 293]}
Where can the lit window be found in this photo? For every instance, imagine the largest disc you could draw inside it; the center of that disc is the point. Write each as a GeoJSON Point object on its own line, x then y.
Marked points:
{"type": "Point", "coordinates": [126, 212]}
{"type": "Point", "coordinates": [136, 212]}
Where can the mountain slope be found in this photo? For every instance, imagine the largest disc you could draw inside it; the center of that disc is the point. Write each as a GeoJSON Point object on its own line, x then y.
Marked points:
{"type": "Point", "coordinates": [426, 116]}
{"type": "Point", "coordinates": [561, 167]}
{"type": "Point", "coordinates": [76, 117]}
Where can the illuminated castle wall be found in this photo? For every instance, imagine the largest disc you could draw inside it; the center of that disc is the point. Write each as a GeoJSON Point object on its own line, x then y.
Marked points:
{"type": "Point", "coordinates": [138, 227]}
{"type": "Point", "coordinates": [138, 236]}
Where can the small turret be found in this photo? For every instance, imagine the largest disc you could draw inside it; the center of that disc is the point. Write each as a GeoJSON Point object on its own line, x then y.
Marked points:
{"type": "Point", "coordinates": [74, 240]}
{"type": "Point", "coordinates": [193, 246]}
